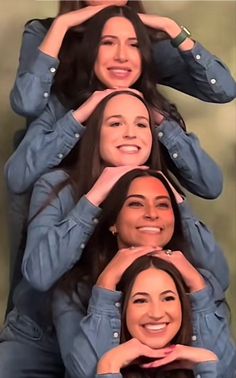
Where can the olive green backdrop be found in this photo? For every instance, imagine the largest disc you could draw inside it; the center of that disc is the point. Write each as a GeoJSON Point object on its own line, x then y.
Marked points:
{"type": "Point", "coordinates": [213, 23]}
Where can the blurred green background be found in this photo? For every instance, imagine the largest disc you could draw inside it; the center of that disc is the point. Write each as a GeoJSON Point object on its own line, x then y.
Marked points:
{"type": "Point", "coordinates": [213, 23]}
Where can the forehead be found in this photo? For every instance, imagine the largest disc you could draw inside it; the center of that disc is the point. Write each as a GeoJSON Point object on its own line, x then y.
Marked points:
{"type": "Point", "coordinates": [120, 27]}
{"type": "Point", "coordinates": [153, 281]}
{"type": "Point", "coordinates": [125, 104]}
{"type": "Point", "coordinates": [148, 187]}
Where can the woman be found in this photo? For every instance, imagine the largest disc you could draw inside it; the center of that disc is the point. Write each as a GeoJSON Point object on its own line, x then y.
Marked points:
{"type": "Point", "coordinates": [156, 324]}
{"type": "Point", "coordinates": [140, 216]}
{"type": "Point", "coordinates": [36, 71]}
{"type": "Point", "coordinates": [58, 129]}
{"type": "Point", "coordinates": [119, 136]}
{"type": "Point", "coordinates": [64, 212]}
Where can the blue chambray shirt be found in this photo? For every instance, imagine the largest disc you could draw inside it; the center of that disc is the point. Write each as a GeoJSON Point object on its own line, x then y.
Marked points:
{"type": "Point", "coordinates": [196, 72]}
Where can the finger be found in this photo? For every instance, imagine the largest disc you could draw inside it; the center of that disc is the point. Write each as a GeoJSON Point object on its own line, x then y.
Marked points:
{"type": "Point", "coordinates": [160, 362]}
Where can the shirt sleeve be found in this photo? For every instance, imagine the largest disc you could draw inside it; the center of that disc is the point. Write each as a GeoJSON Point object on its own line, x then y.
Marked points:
{"type": "Point", "coordinates": [196, 72]}
{"type": "Point", "coordinates": [206, 370]}
{"type": "Point", "coordinates": [211, 325]}
{"type": "Point", "coordinates": [47, 141]}
{"type": "Point", "coordinates": [31, 90]}
{"type": "Point", "coordinates": [57, 234]}
{"type": "Point", "coordinates": [204, 252]}
{"type": "Point", "coordinates": [194, 168]}
{"type": "Point", "coordinates": [88, 334]}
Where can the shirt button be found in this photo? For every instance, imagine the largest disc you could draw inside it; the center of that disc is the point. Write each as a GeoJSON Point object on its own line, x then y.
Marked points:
{"type": "Point", "coordinates": [213, 81]}
{"type": "Point", "coordinates": [82, 245]}
{"type": "Point", "coordinates": [160, 134]}
{"type": "Point", "coordinates": [117, 304]}
{"type": "Point", "coordinates": [198, 57]}
{"type": "Point", "coordinates": [77, 135]}
{"type": "Point", "coordinates": [95, 220]}
{"type": "Point", "coordinates": [194, 338]}
{"type": "Point", "coordinates": [175, 155]}
{"type": "Point", "coordinates": [116, 335]}
{"type": "Point", "coordinates": [52, 69]}
{"type": "Point", "coordinates": [45, 95]}
{"type": "Point", "coordinates": [60, 156]}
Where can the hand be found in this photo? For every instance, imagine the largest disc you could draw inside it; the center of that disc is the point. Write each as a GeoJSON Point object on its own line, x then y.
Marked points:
{"type": "Point", "coordinates": [106, 181]}
{"type": "Point", "coordinates": [158, 117]}
{"type": "Point", "coordinates": [191, 276]}
{"type": "Point", "coordinates": [79, 16]}
{"type": "Point", "coordinates": [183, 356]}
{"type": "Point", "coordinates": [88, 107]}
{"type": "Point", "coordinates": [178, 197]}
{"type": "Point", "coordinates": [111, 275]}
{"type": "Point", "coordinates": [124, 354]}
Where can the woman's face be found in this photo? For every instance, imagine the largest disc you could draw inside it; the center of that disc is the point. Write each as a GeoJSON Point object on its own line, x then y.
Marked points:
{"type": "Point", "coordinates": [120, 3]}
{"type": "Point", "coordinates": [146, 217]}
{"type": "Point", "coordinates": [118, 63]}
{"type": "Point", "coordinates": [125, 137]}
{"type": "Point", "coordinates": [154, 313]}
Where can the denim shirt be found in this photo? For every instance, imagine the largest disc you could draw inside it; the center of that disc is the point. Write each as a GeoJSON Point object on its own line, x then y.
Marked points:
{"type": "Point", "coordinates": [196, 72]}
{"type": "Point", "coordinates": [57, 235]}
{"type": "Point", "coordinates": [84, 336]}
{"type": "Point", "coordinates": [52, 136]}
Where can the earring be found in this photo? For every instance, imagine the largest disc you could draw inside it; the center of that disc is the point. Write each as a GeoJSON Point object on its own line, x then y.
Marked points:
{"type": "Point", "coordinates": [112, 230]}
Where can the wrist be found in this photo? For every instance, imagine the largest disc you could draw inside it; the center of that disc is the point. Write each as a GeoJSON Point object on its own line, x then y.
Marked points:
{"type": "Point", "coordinates": [106, 283]}
{"type": "Point", "coordinates": [196, 284]}
{"type": "Point", "coordinates": [107, 366]}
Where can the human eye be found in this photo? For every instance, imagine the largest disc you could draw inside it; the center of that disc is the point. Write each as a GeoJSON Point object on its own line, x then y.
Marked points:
{"type": "Point", "coordinates": [142, 125]}
{"type": "Point", "coordinates": [115, 124]}
{"type": "Point", "coordinates": [134, 44]}
{"type": "Point", "coordinates": [169, 298]}
{"type": "Point", "coordinates": [135, 204]}
{"type": "Point", "coordinates": [139, 300]}
{"type": "Point", "coordinates": [163, 205]}
{"type": "Point", "coordinates": [106, 42]}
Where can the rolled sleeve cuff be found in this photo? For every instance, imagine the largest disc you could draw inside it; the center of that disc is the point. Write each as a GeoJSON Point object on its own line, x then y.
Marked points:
{"type": "Point", "coordinates": [168, 131]}
{"type": "Point", "coordinates": [44, 66]}
{"type": "Point", "coordinates": [105, 301]}
{"type": "Point", "coordinates": [206, 370]}
{"type": "Point", "coordinates": [86, 212]}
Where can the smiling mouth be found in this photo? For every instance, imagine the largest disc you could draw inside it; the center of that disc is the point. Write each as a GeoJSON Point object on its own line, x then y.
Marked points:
{"type": "Point", "coordinates": [129, 148]}
{"type": "Point", "coordinates": [150, 229]}
{"type": "Point", "coordinates": [119, 72]}
{"type": "Point", "coordinates": [155, 327]}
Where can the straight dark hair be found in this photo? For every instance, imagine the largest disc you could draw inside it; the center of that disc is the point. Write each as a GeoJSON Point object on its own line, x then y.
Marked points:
{"type": "Point", "coordinates": [185, 332]}
{"type": "Point", "coordinates": [103, 246]}
{"type": "Point", "coordinates": [75, 80]}
{"type": "Point", "coordinates": [68, 6]}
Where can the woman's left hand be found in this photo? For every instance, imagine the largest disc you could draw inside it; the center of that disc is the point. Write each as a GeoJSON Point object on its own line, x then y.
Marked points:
{"type": "Point", "coordinates": [190, 274]}
{"type": "Point", "coordinates": [182, 356]}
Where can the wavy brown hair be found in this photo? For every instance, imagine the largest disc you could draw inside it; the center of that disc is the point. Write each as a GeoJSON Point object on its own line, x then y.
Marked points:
{"type": "Point", "coordinates": [185, 332]}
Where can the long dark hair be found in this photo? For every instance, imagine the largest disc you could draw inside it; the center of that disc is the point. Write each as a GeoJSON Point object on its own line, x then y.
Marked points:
{"type": "Point", "coordinates": [75, 80]}
{"type": "Point", "coordinates": [185, 332]}
{"type": "Point", "coordinates": [68, 5]}
{"type": "Point", "coordinates": [103, 246]}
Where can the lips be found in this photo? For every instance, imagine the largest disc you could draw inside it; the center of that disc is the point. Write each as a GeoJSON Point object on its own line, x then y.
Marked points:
{"type": "Point", "coordinates": [150, 229]}
{"type": "Point", "coordinates": [119, 72]}
{"type": "Point", "coordinates": [129, 148]}
{"type": "Point", "coordinates": [155, 327]}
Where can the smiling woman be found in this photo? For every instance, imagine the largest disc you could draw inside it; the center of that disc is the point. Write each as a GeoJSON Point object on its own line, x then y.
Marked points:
{"type": "Point", "coordinates": [140, 217]}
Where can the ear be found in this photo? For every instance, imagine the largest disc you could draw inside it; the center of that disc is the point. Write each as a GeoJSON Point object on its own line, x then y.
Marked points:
{"type": "Point", "coordinates": [113, 230]}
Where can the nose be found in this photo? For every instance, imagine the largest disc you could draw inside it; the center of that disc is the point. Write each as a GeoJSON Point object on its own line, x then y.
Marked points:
{"type": "Point", "coordinates": [121, 53]}
{"type": "Point", "coordinates": [156, 310]}
{"type": "Point", "coordinates": [129, 132]}
{"type": "Point", "coordinates": [150, 212]}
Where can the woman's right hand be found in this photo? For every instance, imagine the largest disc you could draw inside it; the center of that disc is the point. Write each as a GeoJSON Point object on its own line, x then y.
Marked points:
{"type": "Point", "coordinates": [124, 354]}
{"type": "Point", "coordinates": [106, 181]}
{"type": "Point", "coordinates": [111, 275]}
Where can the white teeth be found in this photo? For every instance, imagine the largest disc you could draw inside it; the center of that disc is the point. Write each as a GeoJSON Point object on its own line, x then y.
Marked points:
{"type": "Point", "coordinates": [128, 148]}
{"type": "Point", "coordinates": [155, 327]}
{"type": "Point", "coordinates": [153, 230]}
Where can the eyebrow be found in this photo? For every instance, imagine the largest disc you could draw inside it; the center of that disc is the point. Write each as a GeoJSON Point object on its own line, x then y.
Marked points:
{"type": "Point", "coordinates": [120, 116]}
{"type": "Point", "coordinates": [143, 197]}
{"type": "Point", "coordinates": [115, 36]}
{"type": "Point", "coordinates": [147, 295]}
